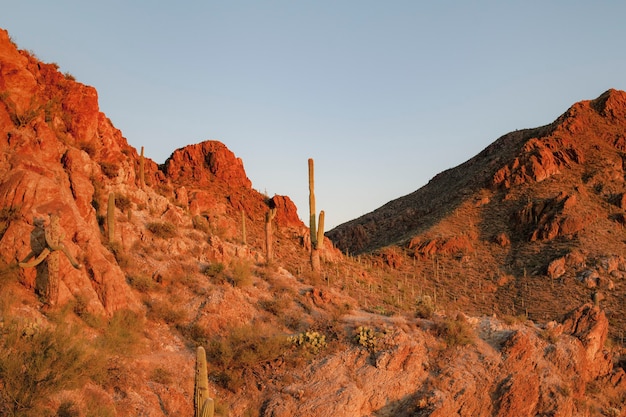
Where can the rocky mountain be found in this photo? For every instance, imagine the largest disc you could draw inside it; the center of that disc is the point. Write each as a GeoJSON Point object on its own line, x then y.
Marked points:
{"type": "Point", "coordinates": [113, 269]}
{"type": "Point", "coordinates": [534, 223]}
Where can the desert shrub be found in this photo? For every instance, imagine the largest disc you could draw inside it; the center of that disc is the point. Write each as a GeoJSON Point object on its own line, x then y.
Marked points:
{"type": "Point", "coordinates": [122, 202]}
{"type": "Point", "coordinates": [455, 332]}
{"type": "Point", "coordinates": [8, 215]}
{"type": "Point", "coordinates": [424, 307]}
{"type": "Point", "coordinates": [276, 305]}
{"type": "Point", "coordinates": [311, 340]}
{"type": "Point", "coordinates": [88, 147]}
{"type": "Point", "coordinates": [164, 230]}
{"type": "Point", "coordinates": [245, 347]}
{"type": "Point", "coordinates": [110, 169]}
{"type": "Point", "coordinates": [164, 311]}
{"type": "Point", "coordinates": [194, 333]}
{"type": "Point", "coordinates": [121, 256]}
{"type": "Point", "coordinates": [123, 332]}
{"type": "Point", "coordinates": [549, 335]}
{"type": "Point", "coordinates": [215, 271]}
{"type": "Point", "coordinates": [161, 376]}
{"type": "Point", "coordinates": [37, 361]}
{"type": "Point", "coordinates": [141, 283]}
{"type": "Point", "coordinates": [241, 273]}
{"type": "Point", "coordinates": [68, 409]}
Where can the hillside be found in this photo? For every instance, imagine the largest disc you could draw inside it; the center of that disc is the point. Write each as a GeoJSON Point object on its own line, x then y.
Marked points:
{"type": "Point", "coordinates": [113, 269]}
{"type": "Point", "coordinates": [533, 224]}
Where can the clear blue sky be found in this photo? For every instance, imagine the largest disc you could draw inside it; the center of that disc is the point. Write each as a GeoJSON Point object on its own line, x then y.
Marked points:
{"type": "Point", "coordinates": [382, 94]}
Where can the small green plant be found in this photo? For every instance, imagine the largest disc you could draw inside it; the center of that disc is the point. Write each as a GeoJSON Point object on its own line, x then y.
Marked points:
{"type": "Point", "coordinates": [367, 337]}
{"type": "Point", "coordinates": [310, 340]}
{"type": "Point", "coordinates": [163, 230]}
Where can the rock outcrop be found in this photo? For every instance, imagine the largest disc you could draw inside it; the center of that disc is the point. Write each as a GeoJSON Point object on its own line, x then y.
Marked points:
{"type": "Point", "coordinates": [508, 370]}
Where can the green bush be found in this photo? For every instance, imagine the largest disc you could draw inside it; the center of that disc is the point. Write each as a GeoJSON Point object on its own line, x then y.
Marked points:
{"type": "Point", "coordinates": [37, 361]}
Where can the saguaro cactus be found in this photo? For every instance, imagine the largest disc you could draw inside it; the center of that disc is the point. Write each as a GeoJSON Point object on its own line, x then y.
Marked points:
{"type": "Point", "coordinates": [142, 178]}
{"type": "Point", "coordinates": [203, 404]}
{"type": "Point", "coordinates": [111, 217]}
{"type": "Point", "coordinates": [316, 231]}
{"type": "Point", "coordinates": [50, 287]}
{"type": "Point", "coordinates": [244, 238]}
{"type": "Point", "coordinates": [269, 216]}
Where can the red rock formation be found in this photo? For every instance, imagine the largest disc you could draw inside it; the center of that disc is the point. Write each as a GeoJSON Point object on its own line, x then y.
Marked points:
{"type": "Point", "coordinates": [201, 164]}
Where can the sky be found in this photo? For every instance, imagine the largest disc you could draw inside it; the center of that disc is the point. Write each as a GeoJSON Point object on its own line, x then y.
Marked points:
{"type": "Point", "coordinates": [383, 95]}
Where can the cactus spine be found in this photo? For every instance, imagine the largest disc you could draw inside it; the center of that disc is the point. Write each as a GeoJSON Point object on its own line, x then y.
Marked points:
{"type": "Point", "coordinates": [316, 233]}
{"type": "Point", "coordinates": [111, 217]}
{"type": "Point", "coordinates": [269, 216]}
{"type": "Point", "coordinates": [49, 286]}
{"type": "Point", "coordinates": [203, 404]}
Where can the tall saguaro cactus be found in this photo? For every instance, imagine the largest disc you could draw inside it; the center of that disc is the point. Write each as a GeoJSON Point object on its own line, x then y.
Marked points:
{"type": "Point", "coordinates": [316, 230]}
{"type": "Point", "coordinates": [142, 177]}
{"type": "Point", "coordinates": [203, 404]}
{"type": "Point", "coordinates": [111, 217]}
{"type": "Point", "coordinates": [269, 251]}
{"type": "Point", "coordinates": [49, 286]}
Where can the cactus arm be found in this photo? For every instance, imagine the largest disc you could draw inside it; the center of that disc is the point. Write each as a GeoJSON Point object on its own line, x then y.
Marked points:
{"type": "Point", "coordinates": [54, 238]}
{"type": "Point", "coordinates": [208, 408]}
{"type": "Point", "coordinates": [44, 253]}
{"type": "Point", "coordinates": [320, 230]}
{"type": "Point", "coordinates": [69, 256]}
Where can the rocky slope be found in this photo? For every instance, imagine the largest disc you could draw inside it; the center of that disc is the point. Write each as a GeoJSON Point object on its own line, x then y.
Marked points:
{"type": "Point", "coordinates": [533, 224]}
{"type": "Point", "coordinates": [107, 322]}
